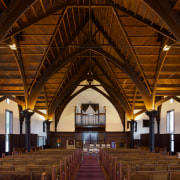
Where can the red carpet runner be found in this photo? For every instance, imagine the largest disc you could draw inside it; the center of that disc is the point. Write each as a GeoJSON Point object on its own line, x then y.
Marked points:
{"type": "Point", "coordinates": [90, 169]}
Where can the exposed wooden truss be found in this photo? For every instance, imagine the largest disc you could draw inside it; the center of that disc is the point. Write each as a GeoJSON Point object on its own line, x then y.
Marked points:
{"type": "Point", "coordinates": [56, 41]}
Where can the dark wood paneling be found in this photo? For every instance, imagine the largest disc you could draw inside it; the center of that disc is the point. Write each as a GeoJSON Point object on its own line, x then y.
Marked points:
{"type": "Point", "coordinates": [118, 137]}
{"type": "Point", "coordinates": [18, 141]}
{"type": "Point", "coordinates": [63, 136]}
{"type": "Point", "coordinates": [106, 138]}
{"type": "Point", "coordinates": [177, 142]}
{"type": "Point", "coordinates": [162, 140]}
{"type": "Point", "coordinates": [93, 128]}
{"type": "Point", "coordinates": [2, 144]}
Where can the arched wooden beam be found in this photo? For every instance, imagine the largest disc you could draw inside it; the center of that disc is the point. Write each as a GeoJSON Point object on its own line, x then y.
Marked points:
{"type": "Point", "coordinates": [19, 60]}
{"type": "Point", "coordinates": [123, 100]}
{"type": "Point", "coordinates": [52, 69]}
{"type": "Point", "coordinates": [68, 88]}
{"type": "Point", "coordinates": [11, 14]}
{"type": "Point", "coordinates": [159, 65]}
{"type": "Point", "coordinates": [57, 65]}
{"type": "Point", "coordinates": [72, 82]}
{"type": "Point", "coordinates": [60, 109]}
{"type": "Point", "coordinates": [71, 86]}
{"type": "Point", "coordinates": [167, 14]}
{"type": "Point", "coordinates": [118, 109]}
{"type": "Point", "coordinates": [131, 73]}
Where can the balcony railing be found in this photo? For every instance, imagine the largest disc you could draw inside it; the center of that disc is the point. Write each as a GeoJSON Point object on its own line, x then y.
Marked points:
{"type": "Point", "coordinates": [90, 119]}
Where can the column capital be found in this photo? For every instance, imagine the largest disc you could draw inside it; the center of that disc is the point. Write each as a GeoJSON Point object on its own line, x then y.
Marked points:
{"type": "Point", "coordinates": [27, 112]}
{"type": "Point", "coordinates": [48, 121]}
{"type": "Point", "coordinates": [152, 113]}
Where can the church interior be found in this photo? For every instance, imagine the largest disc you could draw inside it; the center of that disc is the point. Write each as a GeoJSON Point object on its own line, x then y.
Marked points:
{"type": "Point", "coordinates": [90, 89]}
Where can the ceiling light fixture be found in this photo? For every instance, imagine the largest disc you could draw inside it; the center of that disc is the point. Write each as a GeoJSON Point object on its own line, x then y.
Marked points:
{"type": "Point", "coordinates": [166, 47]}
{"type": "Point", "coordinates": [13, 46]}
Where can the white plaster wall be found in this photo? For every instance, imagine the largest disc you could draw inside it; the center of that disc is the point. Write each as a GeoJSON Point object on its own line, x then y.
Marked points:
{"type": "Point", "coordinates": [36, 119]}
{"type": "Point", "coordinates": [167, 106]}
{"type": "Point", "coordinates": [37, 124]}
{"type": "Point", "coordinates": [140, 129]}
{"type": "Point", "coordinates": [12, 106]}
{"type": "Point", "coordinates": [66, 122]}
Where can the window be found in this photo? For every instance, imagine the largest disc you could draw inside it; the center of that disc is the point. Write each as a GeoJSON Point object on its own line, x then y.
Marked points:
{"type": "Point", "coordinates": [170, 128]}
{"type": "Point", "coordinates": [171, 100]}
{"type": "Point", "coordinates": [8, 128]}
{"type": "Point", "coordinates": [7, 100]}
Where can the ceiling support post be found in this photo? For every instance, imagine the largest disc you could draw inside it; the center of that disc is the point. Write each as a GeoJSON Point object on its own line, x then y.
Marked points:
{"type": "Point", "coordinates": [152, 114]}
{"type": "Point", "coordinates": [47, 122]}
{"type": "Point", "coordinates": [27, 115]}
{"type": "Point", "coordinates": [133, 128]}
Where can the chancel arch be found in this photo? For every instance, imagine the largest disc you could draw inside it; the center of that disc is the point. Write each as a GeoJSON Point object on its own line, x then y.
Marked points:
{"type": "Point", "coordinates": [67, 119]}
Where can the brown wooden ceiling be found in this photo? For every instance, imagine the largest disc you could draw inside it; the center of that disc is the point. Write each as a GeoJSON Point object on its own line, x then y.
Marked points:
{"type": "Point", "coordinates": [120, 41]}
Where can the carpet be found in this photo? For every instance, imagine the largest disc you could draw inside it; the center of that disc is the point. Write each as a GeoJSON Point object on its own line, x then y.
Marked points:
{"type": "Point", "coordinates": [90, 169]}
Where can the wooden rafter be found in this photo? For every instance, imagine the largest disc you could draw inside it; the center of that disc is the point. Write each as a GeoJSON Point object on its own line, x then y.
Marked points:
{"type": "Point", "coordinates": [41, 113]}
{"type": "Point", "coordinates": [48, 49]}
{"type": "Point", "coordinates": [115, 78]}
{"type": "Point", "coordinates": [72, 84]}
{"type": "Point", "coordinates": [3, 98]}
{"type": "Point", "coordinates": [138, 113]}
{"type": "Point", "coordinates": [61, 84]}
{"type": "Point", "coordinates": [43, 7]}
{"type": "Point", "coordinates": [117, 6]}
{"type": "Point", "coordinates": [167, 14]}
{"type": "Point", "coordinates": [163, 100]}
{"type": "Point", "coordinates": [176, 98]}
{"type": "Point", "coordinates": [132, 49]}
{"type": "Point", "coordinates": [177, 4]}
{"type": "Point", "coordinates": [18, 101]}
{"type": "Point", "coordinates": [53, 68]}
{"type": "Point", "coordinates": [130, 72]}
{"type": "Point", "coordinates": [108, 38]}
{"type": "Point", "coordinates": [121, 95]}
{"type": "Point", "coordinates": [11, 14]}
{"type": "Point", "coordinates": [147, 22]}
{"type": "Point", "coordinates": [121, 99]}
{"type": "Point", "coordinates": [3, 3]}
{"type": "Point", "coordinates": [35, 20]}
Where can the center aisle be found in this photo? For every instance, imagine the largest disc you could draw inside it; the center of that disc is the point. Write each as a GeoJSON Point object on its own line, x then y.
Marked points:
{"type": "Point", "coordinates": [90, 169]}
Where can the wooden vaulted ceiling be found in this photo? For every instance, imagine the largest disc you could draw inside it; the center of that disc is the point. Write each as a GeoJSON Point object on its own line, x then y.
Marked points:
{"type": "Point", "coordinates": [60, 41]}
